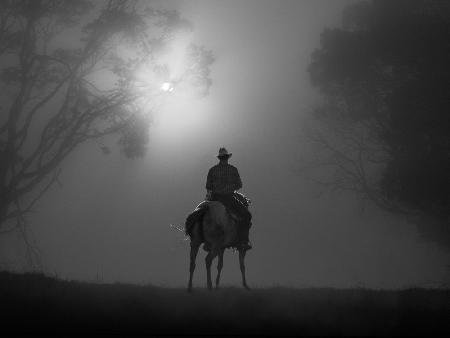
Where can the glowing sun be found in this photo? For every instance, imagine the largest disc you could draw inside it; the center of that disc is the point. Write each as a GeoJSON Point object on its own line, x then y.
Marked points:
{"type": "Point", "coordinates": [167, 87]}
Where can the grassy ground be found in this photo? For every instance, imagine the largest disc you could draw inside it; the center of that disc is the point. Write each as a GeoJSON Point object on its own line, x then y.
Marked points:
{"type": "Point", "coordinates": [33, 303]}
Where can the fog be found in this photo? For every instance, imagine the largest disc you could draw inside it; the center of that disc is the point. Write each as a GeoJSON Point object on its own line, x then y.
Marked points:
{"type": "Point", "coordinates": [110, 218]}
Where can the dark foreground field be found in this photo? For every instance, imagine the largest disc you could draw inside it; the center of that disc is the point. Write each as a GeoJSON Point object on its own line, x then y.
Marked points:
{"type": "Point", "coordinates": [36, 304]}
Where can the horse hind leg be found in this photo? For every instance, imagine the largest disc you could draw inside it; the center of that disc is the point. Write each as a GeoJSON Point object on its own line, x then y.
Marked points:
{"type": "Point", "coordinates": [193, 256]}
{"type": "Point", "coordinates": [242, 266]}
{"type": "Point", "coordinates": [219, 267]}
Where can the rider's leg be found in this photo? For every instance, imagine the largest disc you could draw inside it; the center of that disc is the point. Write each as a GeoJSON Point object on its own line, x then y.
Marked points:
{"type": "Point", "coordinates": [244, 224]}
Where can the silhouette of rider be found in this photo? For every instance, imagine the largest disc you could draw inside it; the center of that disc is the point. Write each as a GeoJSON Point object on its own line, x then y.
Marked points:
{"type": "Point", "coordinates": [222, 182]}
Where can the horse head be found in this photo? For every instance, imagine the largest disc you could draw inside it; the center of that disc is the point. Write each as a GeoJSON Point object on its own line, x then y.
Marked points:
{"type": "Point", "coordinates": [219, 226]}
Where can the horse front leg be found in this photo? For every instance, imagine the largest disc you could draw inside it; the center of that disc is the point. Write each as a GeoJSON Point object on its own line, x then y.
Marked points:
{"type": "Point", "coordinates": [242, 266]}
{"type": "Point", "coordinates": [219, 267]}
{"type": "Point", "coordinates": [208, 260]}
{"type": "Point", "coordinates": [193, 256]}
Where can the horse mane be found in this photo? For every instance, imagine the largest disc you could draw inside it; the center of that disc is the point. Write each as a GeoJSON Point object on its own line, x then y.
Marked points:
{"type": "Point", "coordinates": [191, 220]}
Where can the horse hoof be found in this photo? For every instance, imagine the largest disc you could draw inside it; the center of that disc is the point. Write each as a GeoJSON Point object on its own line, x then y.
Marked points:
{"type": "Point", "coordinates": [246, 288]}
{"type": "Point", "coordinates": [189, 290]}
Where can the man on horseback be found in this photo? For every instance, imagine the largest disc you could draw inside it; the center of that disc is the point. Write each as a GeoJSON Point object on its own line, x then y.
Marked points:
{"type": "Point", "coordinates": [221, 184]}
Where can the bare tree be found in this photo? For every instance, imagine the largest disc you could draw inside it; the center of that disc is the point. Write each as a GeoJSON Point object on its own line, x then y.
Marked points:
{"type": "Point", "coordinates": [346, 155]}
{"type": "Point", "coordinates": [51, 98]}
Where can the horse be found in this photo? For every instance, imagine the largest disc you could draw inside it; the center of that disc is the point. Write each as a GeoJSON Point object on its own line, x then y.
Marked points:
{"type": "Point", "coordinates": [218, 231]}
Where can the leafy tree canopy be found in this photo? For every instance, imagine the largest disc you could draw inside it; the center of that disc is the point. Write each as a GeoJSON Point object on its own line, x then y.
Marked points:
{"type": "Point", "coordinates": [385, 125]}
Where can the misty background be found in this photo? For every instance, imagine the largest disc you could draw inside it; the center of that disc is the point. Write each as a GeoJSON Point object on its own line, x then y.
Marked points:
{"type": "Point", "coordinates": [109, 220]}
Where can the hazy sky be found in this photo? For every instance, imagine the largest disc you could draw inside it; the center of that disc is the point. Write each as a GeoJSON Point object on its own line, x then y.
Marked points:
{"type": "Point", "coordinates": [111, 216]}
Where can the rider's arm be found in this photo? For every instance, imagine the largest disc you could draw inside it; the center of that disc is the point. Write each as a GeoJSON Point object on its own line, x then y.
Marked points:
{"type": "Point", "coordinates": [209, 183]}
{"type": "Point", "coordinates": [208, 195]}
{"type": "Point", "coordinates": [237, 180]}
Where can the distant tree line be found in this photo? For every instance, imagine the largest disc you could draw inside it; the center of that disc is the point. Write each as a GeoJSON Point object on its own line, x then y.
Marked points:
{"type": "Point", "coordinates": [383, 130]}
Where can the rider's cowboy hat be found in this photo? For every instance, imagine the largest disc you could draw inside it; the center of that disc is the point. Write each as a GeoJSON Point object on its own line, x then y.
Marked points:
{"type": "Point", "coordinates": [223, 152]}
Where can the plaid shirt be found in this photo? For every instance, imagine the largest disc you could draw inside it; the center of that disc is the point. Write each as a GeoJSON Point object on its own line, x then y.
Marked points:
{"type": "Point", "coordinates": [223, 178]}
